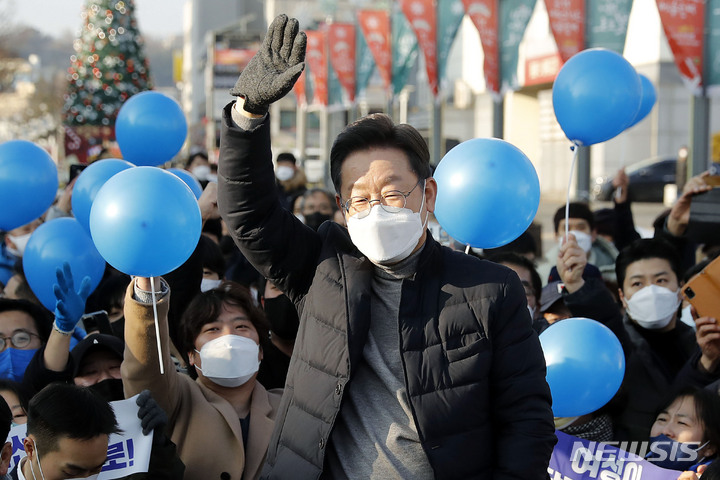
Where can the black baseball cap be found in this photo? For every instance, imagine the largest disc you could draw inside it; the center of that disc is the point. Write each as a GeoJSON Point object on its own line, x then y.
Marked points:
{"type": "Point", "coordinates": [93, 342]}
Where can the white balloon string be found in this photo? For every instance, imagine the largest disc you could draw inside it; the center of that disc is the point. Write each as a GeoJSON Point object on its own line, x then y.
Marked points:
{"type": "Point", "coordinates": [157, 325]}
{"type": "Point", "coordinates": [567, 200]}
{"type": "Point", "coordinates": [467, 249]}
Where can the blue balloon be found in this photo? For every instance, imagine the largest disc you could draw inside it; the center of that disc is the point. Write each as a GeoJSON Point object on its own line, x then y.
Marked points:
{"type": "Point", "coordinates": [145, 221]}
{"type": "Point", "coordinates": [647, 102]}
{"type": "Point", "coordinates": [596, 95]}
{"type": "Point", "coordinates": [28, 183]}
{"type": "Point", "coordinates": [150, 129]}
{"type": "Point", "coordinates": [88, 185]}
{"type": "Point", "coordinates": [585, 365]}
{"type": "Point", "coordinates": [50, 245]}
{"type": "Point", "coordinates": [189, 180]}
{"type": "Point", "coordinates": [488, 192]}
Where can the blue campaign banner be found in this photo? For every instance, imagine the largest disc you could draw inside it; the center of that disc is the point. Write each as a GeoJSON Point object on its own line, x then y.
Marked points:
{"type": "Point", "coordinates": [577, 459]}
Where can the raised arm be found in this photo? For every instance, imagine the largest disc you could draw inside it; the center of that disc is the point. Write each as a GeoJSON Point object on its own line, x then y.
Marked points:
{"type": "Point", "coordinates": [270, 237]}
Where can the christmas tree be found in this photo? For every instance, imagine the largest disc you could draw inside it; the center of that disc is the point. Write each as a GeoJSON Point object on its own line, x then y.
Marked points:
{"type": "Point", "coordinates": [109, 65]}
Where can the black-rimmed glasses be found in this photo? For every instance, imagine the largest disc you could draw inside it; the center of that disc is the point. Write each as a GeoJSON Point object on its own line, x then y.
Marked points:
{"type": "Point", "coordinates": [392, 202]}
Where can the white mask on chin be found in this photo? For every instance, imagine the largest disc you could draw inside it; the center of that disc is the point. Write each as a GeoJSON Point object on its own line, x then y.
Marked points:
{"type": "Point", "coordinates": [653, 307]}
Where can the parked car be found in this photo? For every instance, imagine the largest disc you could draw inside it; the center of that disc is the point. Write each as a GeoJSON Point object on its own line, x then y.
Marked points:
{"type": "Point", "coordinates": [647, 180]}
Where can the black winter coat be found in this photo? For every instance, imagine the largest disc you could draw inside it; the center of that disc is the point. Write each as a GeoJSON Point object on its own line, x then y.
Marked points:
{"type": "Point", "coordinates": [474, 370]}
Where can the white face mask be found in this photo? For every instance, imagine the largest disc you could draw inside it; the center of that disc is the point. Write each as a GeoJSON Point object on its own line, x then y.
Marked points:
{"type": "Point", "coordinates": [584, 240]}
{"type": "Point", "coordinates": [283, 173]}
{"type": "Point", "coordinates": [208, 284]}
{"type": "Point", "coordinates": [653, 307]}
{"type": "Point", "coordinates": [687, 318]}
{"type": "Point", "coordinates": [201, 172]}
{"type": "Point", "coordinates": [20, 242]}
{"type": "Point", "coordinates": [385, 237]}
{"type": "Point", "coordinates": [532, 312]}
{"type": "Point", "coordinates": [230, 360]}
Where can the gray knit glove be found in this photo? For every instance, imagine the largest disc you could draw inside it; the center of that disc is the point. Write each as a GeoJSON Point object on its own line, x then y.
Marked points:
{"type": "Point", "coordinates": [275, 68]}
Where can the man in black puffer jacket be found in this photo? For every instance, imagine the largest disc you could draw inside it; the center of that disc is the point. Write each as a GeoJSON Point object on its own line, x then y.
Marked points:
{"type": "Point", "coordinates": [411, 360]}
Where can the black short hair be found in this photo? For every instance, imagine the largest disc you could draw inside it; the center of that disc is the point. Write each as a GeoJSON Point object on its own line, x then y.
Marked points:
{"type": "Point", "coordinates": [211, 256]}
{"type": "Point", "coordinates": [707, 411]}
{"type": "Point", "coordinates": [207, 306]}
{"type": "Point", "coordinates": [519, 260]}
{"type": "Point", "coordinates": [41, 316]}
{"type": "Point", "coordinates": [646, 248]}
{"type": "Point", "coordinates": [576, 210]}
{"type": "Point", "coordinates": [18, 389]}
{"type": "Point", "coordinates": [286, 157]}
{"type": "Point", "coordinates": [525, 243]}
{"type": "Point", "coordinates": [379, 131]}
{"type": "Point", "coordinates": [63, 410]}
{"type": "Point", "coordinates": [110, 292]}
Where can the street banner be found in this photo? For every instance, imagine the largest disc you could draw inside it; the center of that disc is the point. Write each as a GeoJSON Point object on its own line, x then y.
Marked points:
{"type": "Point", "coordinates": [364, 62]}
{"type": "Point", "coordinates": [712, 56]}
{"type": "Point", "coordinates": [423, 20]}
{"type": "Point", "coordinates": [683, 22]}
{"type": "Point", "coordinates": [317, 65]}
{"type": "Point", "coordinates": [375, 26]}
{"type": "Point", "coordinates": [514, 18]}
{"type": "Point", "coordinates": [450, 15]}
{"type": "Point", "coordinates": [341, 40]}
{"type": "Point", "coordinates": [484, 15]}
{"type": "Point", "coordinates": [607, 24]}
{"type": "Point", "coordinates": [404, 49]}
{"type": "Point", "coordinates": [567, 23]}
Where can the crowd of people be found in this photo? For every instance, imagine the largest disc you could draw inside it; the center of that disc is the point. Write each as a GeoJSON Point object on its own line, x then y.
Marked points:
{"type": "Point", "coordinates": [327, 334]}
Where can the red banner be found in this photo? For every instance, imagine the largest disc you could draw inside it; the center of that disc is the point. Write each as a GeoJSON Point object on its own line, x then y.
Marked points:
{"type": "Point", "coordinates": [375, 26]}
{"type": "Point", "coordinates": [683, 22]}
{"type": "Point", "coordinates": [423, 19]}
{"type": "Point", "coordinates": [341, 38]}
{"type": "Point", "coordinates": [317, 61]}
{"type": "Point", "coordinates": [299, 89]}
{"type": "Point", "coordinates": [567, 22]}
{"type": "Point", "coordinates": [484, 14]}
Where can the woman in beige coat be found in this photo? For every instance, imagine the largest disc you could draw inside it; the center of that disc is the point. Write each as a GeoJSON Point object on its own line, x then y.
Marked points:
{"type": "Point", "coordinates": [222, 421]}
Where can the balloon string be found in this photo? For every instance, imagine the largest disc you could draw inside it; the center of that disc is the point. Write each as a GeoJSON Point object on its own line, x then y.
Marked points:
{"type": "Point", "coordinates": [567, 200]}
{"type": "Point", "coordinates": [157, 325]}
{"type": "Point", "coordinates": [467, 249]}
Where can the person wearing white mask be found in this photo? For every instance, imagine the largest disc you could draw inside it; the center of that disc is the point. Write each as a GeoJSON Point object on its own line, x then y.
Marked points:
{"type": "Point", "coordinates": [581, 223]}
{"type": "Point", "coordinates": [222, 421]}
{"type": "Point", "coordinates": [407, 361]}
{"type": "Point", "coordinates": [657, 344]}
{"type": "Point", "coordinates": [13, 248]}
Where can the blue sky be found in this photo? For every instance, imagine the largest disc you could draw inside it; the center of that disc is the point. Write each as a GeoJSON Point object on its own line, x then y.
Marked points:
{"type": "Point", "coordinates": [157, 18]}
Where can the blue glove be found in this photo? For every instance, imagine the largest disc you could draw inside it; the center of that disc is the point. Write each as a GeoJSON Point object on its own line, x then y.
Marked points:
{"type": "Point", "coordinates": [151, 415]}
{"type": "Point", "coordinates": [70, 304]}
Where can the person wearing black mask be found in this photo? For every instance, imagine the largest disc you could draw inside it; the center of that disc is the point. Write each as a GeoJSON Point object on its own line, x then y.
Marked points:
{"type": "Point", "coordinates": [317, 206]}
{"type": "Point", "coordinates": [284, 323]}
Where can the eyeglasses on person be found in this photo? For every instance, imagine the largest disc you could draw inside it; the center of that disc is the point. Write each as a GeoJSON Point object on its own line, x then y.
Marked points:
{"type": "Point", "coordinates": [19, 339]}
{"type": "Point", "coordinates": [392, 202]}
